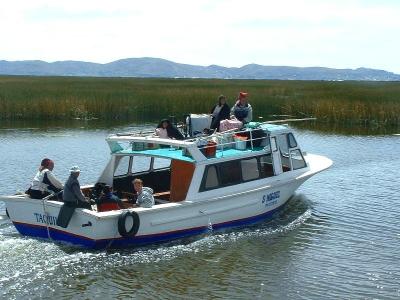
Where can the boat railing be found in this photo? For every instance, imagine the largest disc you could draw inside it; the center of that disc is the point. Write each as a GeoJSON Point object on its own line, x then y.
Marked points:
{"type": "Point", "coordinates": [240, 139]}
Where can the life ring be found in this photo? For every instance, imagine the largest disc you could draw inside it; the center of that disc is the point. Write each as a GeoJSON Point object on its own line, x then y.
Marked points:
{"type": "Point", "coordinates": [122, 223]}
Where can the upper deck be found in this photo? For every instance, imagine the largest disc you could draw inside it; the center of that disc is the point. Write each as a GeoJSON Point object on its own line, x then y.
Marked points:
{"type": "Point", "coordinates": [255, 137]}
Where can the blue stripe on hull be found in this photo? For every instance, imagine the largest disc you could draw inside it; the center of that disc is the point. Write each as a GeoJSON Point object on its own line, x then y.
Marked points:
{"type": "Point", "coordinates": [59, 235]}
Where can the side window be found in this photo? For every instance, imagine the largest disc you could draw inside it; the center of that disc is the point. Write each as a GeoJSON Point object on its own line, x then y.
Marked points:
{"type": "Point", "coordinates": [284, 151]}
{"type": "Point", "coordinates": [292, 141]}
{"type": "Point", "coordinates": [297, 159]}
{"type": "Point", "coordinates": [250, 169]}
{"type": "Point", "coordinates": [211, 178]}
{"type": "Point", "coordinates": [283, 144]}
{"type": "Point", "coordinates": [230, 172]}
{"type": "Point", "coordinates": [140, 164]}
{"type": "Point", "coordinates": [161, 163]}
{"type": "Point", "coordinates": [266, 166]}
{"type": "Point", "coordinates": [123, 166]}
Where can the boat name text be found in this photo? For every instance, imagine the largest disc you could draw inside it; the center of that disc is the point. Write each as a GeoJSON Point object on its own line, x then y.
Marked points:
{"type": "Point", "coordinates": [271, 198]}
{"type": "Point", "coordinates": [45, 219]}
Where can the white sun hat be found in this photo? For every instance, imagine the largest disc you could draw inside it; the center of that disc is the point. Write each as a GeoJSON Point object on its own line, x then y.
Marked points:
{"type": "Point", "coordinates": [74, 169]}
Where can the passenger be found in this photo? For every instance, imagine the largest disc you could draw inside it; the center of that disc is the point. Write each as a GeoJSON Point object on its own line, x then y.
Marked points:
{"type": "Point", "coordinates": [144, 194]}
{"type": "Point", "coordinates": [219, 112]}
{"type": "Point", "coordinates": [166, 130]}
{"type": "Point", "coordinates": [242, 110]}
{"type": "Point", "coordinates": [44, 183]}
{"type": "Point", "coordinates": [109, 201]}
{"type": "Point", "coordinates": [73, 195]}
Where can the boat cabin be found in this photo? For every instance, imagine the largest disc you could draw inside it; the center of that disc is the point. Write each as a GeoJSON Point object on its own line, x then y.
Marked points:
{"type": "Point", "coordinates": [186, 170]}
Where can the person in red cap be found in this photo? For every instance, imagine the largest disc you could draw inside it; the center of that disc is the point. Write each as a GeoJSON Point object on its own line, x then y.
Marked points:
{"type": "Point", "coordinates": [242, 110]}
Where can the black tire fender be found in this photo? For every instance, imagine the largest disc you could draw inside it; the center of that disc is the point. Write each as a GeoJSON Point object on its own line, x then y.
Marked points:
{"type": "Point", "coordinates": [7, 213]}
{"type": "Point", "coordinates": [122, 223]}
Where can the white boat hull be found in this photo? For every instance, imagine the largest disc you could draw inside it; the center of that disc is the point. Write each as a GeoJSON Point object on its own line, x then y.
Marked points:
{"type": "Point", "coordinates": [163, 222]}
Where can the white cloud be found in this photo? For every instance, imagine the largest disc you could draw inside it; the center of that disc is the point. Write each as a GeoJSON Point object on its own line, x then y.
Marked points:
{"type": "Point", "coordinates": [232, 33]}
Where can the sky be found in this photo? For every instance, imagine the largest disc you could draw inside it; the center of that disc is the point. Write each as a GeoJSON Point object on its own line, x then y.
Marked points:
{"type": "Point", "coordinates": [231, 33]}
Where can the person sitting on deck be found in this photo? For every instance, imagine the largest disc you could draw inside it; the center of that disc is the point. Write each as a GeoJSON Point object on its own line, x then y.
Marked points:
{"type": "Point", "coordinates": [242, 110]}
{"type": "Point", "coordinates": [73, 195]}
{"type": "Point", "coordinates": [166, 130]}
{"type": "Point", "coordinates": [144, 194]}
{"type": "Point", "coordinates": [44, 183]}
{"type": "Point", "coordinates": [109, 201]}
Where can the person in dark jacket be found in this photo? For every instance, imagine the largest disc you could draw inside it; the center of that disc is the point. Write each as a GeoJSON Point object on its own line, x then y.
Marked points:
{"type": "Point", "coordinates": [219, 112]}
{"type": "Point", "coordinates": [165, 128]}
{"type": "Point", "coordinates": [108, 200]}
{"type": "Point", "coordinates": [73, 195]}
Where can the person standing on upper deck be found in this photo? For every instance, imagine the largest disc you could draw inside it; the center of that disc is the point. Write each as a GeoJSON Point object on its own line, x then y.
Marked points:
{"type": "Point", "coordinates": [219, 112]}
{"type": "Point", "coordinates": [242, 110]}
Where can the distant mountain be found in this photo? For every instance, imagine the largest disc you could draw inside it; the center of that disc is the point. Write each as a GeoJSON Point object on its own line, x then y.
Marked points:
{"type": "Point", "coordinates": [156, 67]}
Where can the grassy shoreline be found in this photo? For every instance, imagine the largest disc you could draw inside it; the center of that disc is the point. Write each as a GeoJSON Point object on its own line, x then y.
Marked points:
{"type": "Point", "coordinates": [137, 99]}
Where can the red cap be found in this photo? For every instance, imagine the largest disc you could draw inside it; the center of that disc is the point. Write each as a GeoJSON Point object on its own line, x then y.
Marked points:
{"type": "Point", "coordinates": [243, 94]}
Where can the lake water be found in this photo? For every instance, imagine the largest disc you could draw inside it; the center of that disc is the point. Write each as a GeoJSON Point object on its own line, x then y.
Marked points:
{"type": "Point", "coordinates": [338, 237]}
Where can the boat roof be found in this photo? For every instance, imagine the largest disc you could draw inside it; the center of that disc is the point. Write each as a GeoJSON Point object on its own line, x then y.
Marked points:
{"type": "Point", "coordinates": [187, 150]}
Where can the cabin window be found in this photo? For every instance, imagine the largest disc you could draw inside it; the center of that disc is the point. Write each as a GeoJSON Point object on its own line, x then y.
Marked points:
{"type": "Point", "coordinates": [230, 172]}
{"type": "Point", "coordinates": [123, 166]}
{"type": "Point", "coordinates": [211, 179]}
{"type": "Point", "coordinates": [161, 163]}
{"type": "Point", "coordinates": [283, 146]}
{"type": "Point", "coordinates": [266, 166]}
{"type": "Point", "coordinates": [250, 169]}
{"type": "Point", "coordinates": [292, 141]}
{"type": "Point", "coordinates": [283, 143]}
{"type": "Point", "coordinates": [141, 164]}
{"type": "Point", "coordinates": [298, 161]}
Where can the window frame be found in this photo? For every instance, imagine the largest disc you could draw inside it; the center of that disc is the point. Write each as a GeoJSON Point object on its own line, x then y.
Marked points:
{"type": "Point", "coordinates": [144, 171]}
{"type": "Point", "coordinates": [218, 171]}
{"type": "Point", "coordinates": [257, 158]}
{"type": "Point", "coordinates": [291, 159]}
{"type": "Point", "coordinates": [204, 179]}
{"type": "Point", "coordinates": [130, 157]}
{"type": "Point", "coordinates": [152, 169]}
{"type": "Point", "coordinates": [290, 137]}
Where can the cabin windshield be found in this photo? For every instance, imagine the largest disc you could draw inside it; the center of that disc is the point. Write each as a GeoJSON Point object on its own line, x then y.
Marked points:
{"type": "Point", "coordinates": [290, 155]}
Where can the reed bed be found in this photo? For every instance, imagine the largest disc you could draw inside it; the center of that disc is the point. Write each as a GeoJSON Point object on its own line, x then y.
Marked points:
{"type": "Point", "coordinates": [136, 99]}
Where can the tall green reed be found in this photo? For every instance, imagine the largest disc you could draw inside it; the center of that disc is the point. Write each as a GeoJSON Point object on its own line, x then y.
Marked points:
{"type": "Point", "coordinates": [137, 99]}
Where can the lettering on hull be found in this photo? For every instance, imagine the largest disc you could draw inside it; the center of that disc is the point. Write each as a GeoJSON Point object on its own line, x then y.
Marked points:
{"type": "Point", "coordinates": [271, 198]}
{"type": "Point", "coordinates": [45, 219]}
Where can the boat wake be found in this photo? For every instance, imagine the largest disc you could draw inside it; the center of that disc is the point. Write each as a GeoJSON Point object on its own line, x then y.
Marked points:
{"type": "Point", "coordinates": [29, 261]}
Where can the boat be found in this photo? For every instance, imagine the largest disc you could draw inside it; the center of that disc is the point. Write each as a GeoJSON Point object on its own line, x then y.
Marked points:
{"type": "Point", "coordinates": [209, 182]}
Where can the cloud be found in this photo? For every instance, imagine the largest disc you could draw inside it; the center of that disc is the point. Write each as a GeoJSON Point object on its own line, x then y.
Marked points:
{"type": "Point", "coordinates": [232, 33]}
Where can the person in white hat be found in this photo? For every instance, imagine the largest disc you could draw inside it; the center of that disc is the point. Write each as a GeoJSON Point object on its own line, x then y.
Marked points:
{"type": "Point", "coordinates": [73, 195]}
